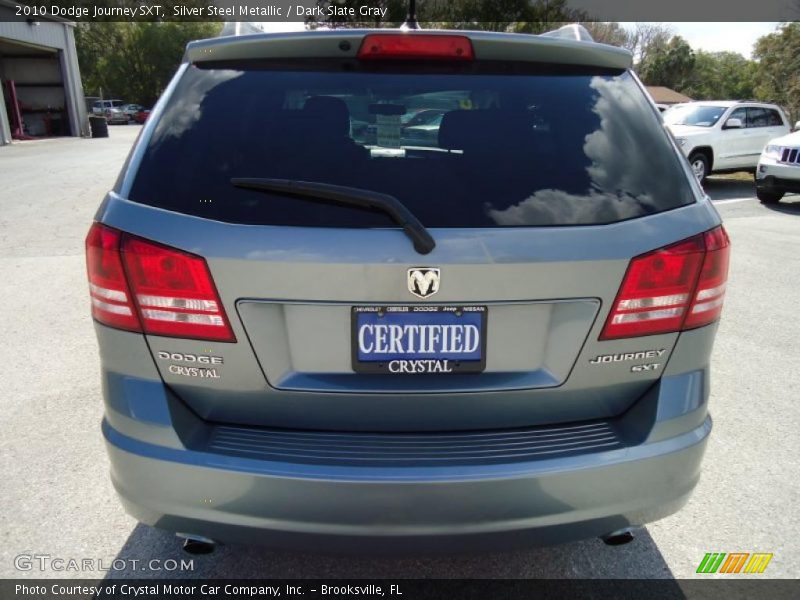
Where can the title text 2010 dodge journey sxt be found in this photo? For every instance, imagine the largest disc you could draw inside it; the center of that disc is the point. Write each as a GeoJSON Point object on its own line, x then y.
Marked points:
{"type": "Point", "coordinates": [413, 287]}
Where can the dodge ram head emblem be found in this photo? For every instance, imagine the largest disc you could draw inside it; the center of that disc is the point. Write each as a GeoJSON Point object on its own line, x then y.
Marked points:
{"type": "Point", "coordinates": [423, 281]}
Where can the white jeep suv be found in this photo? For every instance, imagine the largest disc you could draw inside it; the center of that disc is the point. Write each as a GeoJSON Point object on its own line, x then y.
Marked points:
{"type": "Point", "coordinates": [724, 136]}
{"type": "Point", "coordinates": [779, 168]}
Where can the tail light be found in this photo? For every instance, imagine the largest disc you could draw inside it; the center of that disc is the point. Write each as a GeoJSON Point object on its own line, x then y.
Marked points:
{"type": "Point", "coordinates": [675, 288]}
{"type": "Point", "coordinates": [111, 299]}
{"type": "Point", "coordinates": [710, 293]}
{"type": "Point", "coordinates": [172, 291]}
{"type": "Point", "coordinates": [410, 46]}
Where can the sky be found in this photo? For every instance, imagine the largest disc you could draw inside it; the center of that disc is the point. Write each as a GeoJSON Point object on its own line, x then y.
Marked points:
{"type": "Point", "coordinates": [716, 37]}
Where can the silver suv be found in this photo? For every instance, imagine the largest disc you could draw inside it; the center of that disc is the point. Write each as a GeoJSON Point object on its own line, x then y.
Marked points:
{"type": "Point", "coordinates": [312, 336]}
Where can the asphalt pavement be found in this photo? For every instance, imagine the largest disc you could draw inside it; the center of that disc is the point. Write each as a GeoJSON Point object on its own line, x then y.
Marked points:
{"type": "Point", "coordinates": [58, 500]}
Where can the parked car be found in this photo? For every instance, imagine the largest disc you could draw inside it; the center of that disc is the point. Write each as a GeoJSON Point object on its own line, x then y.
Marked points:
{"type": "Point", "coordinates": [367, 132]}
{"type": "Point", "coordinates": [778, 170]}
{"type": "Point", "coordinates": [421, 117]}
{"type": "Point", "coordinates": [116, 115]}
{"type": "Point", "coordinates": [724, 136]}
{"type": "Point", "coordinates": [100, 107]}
{"type": "Point", "coordinates": [141, 116]}
{"type": "Point", "coordinates": [132, 110]}
{"type": "Point", "coordinates": [309, 341]}
{"type": "Point", "coordinates": [424, 131]}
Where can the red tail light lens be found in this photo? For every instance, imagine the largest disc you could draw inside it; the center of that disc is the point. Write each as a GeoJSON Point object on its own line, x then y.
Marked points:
{"type": "Point", "coordinates": [172, 291]}
{"type": "Point", "coordinates": [409, 46]}
{"type": "Point", "coordinates": [111, 300]}
{"type": "Point", "coordinates": [677, 287]}
{"type": "Point", "coordinates": [707, 303]}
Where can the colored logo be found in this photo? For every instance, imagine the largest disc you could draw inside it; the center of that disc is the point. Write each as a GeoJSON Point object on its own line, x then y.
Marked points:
{"type": "Point", "coordinates": [735, 562]}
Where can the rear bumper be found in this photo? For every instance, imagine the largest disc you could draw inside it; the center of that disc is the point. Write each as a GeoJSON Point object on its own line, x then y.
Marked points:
{"type": "Point", "coordinates": [449, 491]}
{"type": "Point", "coordinates": [281, 504]}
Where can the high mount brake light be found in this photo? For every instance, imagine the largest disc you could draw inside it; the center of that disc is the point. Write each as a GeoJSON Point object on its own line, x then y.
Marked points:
{"type": "Point", "coordinates": [674, 288]}
{"type": "Point", "coordinates": [173, 291]}
{"type": "Point", "coordinates": [410, 46]}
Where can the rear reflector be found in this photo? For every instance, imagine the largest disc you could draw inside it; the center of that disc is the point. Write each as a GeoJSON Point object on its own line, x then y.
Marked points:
{"type": "Point", "coordinates": [675, 288]}
{"type": "Point", "coordinates": [172, 291]}
{"type": "Point", "coordinates": [409, 46]}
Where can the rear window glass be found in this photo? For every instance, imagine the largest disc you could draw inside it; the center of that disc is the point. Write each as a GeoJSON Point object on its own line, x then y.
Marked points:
{"type": "Point", "coordinates": [474, 146]}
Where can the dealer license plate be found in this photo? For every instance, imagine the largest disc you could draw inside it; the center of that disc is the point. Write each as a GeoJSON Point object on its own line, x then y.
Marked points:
{"type": "Point", "coordinates": [416, 340]}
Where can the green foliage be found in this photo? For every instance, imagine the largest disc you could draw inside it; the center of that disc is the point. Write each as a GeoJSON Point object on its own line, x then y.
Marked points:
{"type": "Point", "coordinates": [721, 75]}
{"type": "Point", "coordinates": [647, 39]}
{"type": "Point", "coordinates": [518, 16]}
{"type": "Point", "coordinates": [778, 75]}
{"type": "Point", "coordinates": [670, 65]}
{"type": "Point", "coordinates": [395, 15]}
{"type": "Point", "coordinates": [667, 60]}
{"type": "Point", "coordinates": [609, 33]}
{"type": "Point", "coordinates": [773, 75]}
{"type": "Point", "coordinates": [134, 61]}
{"type": "Point", "coordinates": [523, 16]}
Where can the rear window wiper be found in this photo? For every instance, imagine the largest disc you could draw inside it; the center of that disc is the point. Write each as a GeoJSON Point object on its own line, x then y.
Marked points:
{"type": "Point", "coordinates": [346, 196]}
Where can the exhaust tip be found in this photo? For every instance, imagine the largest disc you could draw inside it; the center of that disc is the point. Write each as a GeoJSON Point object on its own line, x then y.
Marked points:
{"type": "Point", "coordinates": [196, 545]}
{"type": "Point", "coordinates": [618, 538]}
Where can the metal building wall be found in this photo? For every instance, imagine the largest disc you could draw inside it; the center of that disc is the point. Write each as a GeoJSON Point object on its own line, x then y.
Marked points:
{"type": "Point", "coordinates": [55, 34]}
{"type": "Point", "coordinates": [5, 127]}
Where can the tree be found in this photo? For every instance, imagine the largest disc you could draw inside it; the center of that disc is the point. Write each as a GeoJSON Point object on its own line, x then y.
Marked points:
{"type": "Point", "coordinates": [642, 41]}
{"type": "Point", "coordinates": [396, 11]}
{"type": "Point", "coordinates": [646, 39]}
{"type": "Point", "coordinates": [523, 16]}
{"type": "Point", "coordinates": [134, 61]}
{"type": "Point", "coordinates": [777, 77]}
{"type": "Point", "coordinates": [718, 75]}
{"type": "Point", "coordinates": [609, 32]}
{"type": "Point", "coordinates": [670, 66]}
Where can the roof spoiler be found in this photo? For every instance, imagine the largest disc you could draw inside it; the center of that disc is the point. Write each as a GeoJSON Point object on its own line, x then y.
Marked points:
{"type": "Point", "coordinates": [574, 31]}
{"type": "Point", "coordinates": [487, 46]}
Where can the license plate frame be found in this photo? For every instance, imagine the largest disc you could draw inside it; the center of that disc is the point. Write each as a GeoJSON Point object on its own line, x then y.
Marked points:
{"type": "Point", "coordinates": [446, 314]}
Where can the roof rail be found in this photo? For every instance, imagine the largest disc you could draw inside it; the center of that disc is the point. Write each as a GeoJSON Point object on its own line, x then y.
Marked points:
{"type": "Point", "coordinates": [574, 31]}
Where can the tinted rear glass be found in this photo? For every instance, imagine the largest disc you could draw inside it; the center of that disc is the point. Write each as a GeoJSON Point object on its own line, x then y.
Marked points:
{"type": "Point", "coordinates": [474, 146]}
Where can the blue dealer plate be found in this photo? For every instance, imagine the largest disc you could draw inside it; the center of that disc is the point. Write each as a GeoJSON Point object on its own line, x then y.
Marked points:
{"type": "Point", "coordinates": [418, 339]}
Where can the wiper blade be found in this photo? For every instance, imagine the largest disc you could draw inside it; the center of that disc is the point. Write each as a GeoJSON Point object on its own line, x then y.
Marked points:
{"type": "Point", "coordinates": [346, 196]}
